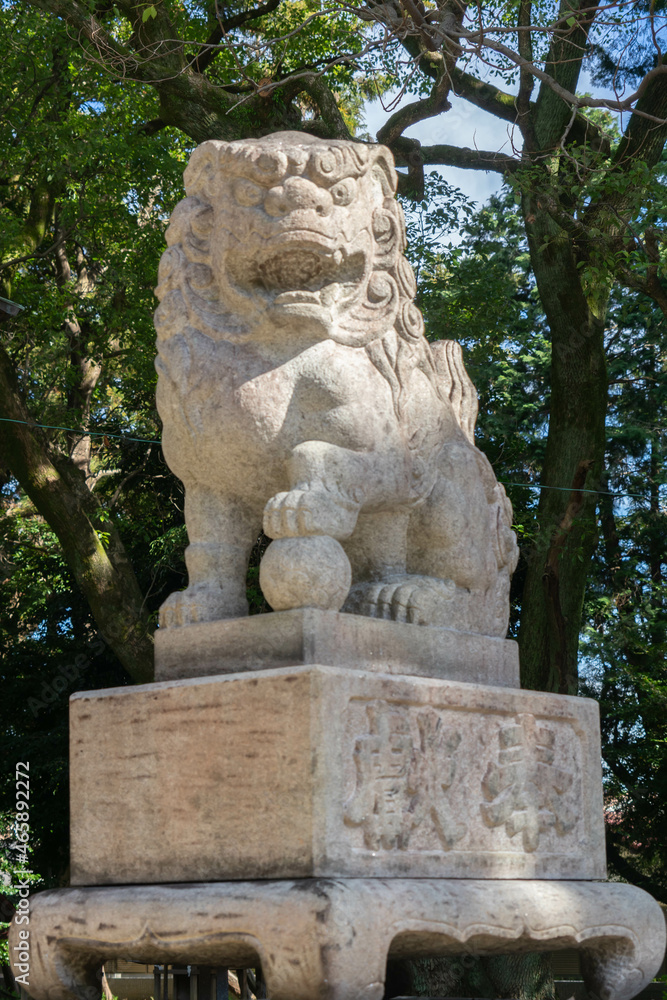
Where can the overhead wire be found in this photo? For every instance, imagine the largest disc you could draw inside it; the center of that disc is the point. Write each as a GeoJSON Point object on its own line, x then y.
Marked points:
{"type": "Point", "coordinates": [127, 437]}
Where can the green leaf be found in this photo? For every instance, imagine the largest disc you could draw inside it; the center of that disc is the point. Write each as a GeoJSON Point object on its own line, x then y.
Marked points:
{"type": "Point", "coordinates": [149, 12]}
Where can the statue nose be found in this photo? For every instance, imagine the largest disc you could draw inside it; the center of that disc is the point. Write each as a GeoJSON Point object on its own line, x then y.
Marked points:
{"type": "Point", "coordinates": [296, 194]}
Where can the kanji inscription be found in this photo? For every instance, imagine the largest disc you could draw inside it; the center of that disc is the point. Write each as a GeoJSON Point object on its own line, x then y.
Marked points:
{"type": "Point", "coordinates": [524, 788]}
{"type": "Point", "coordinates": [404, 767]}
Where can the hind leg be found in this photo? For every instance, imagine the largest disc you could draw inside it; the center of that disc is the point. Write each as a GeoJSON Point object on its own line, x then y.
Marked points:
{"type": "Point", "coordinates": [450, 535]}
{"type": "Point", "coordinates": [222, 532]}
{"type": "Point", "coordinates": [447, 563]}
{"type": "Point", "coordinates": [382, 587]}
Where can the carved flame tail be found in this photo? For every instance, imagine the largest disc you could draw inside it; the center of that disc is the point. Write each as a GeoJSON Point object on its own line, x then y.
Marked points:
{"type": "Point", "coordinates": [455, 384]}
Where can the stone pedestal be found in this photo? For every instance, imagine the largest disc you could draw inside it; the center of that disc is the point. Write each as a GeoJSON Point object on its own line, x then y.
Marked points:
{"type": "Point", "coordinates": [329, 939]}
{"type": "Point", "coordinates": [305, 636]}
{"type": "Point", "coordinates": [383, 815]}
{"type": "Point", "coordinates": [325, 771]}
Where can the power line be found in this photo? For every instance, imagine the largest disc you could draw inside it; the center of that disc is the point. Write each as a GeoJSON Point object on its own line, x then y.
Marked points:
{"type": "Point", "coordinates": [572, 489]}
{"type": "Point", "coordinates": [75, 430]}
{"type": "Point", "coordinates": [126, 437]}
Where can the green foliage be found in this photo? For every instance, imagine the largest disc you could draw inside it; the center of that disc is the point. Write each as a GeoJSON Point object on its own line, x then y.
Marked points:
{"type": "Point", "coordinates": [480, 291]}
{"type": "Point", "coordinates": [624, 644]}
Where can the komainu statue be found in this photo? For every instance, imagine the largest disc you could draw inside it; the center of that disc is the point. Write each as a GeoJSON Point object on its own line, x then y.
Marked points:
{"type": "Point", "coordinates": [298, 393]}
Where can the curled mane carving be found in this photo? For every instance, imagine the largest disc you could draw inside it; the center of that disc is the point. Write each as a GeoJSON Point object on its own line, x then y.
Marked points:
{"type": "Point", "coordinates": [384, 320]}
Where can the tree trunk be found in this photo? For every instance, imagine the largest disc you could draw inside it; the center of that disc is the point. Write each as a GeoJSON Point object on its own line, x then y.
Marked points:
{"type": "Point", "coordinates": [559, 560]}
{"type": "Point", "coordinates": [59, 492]}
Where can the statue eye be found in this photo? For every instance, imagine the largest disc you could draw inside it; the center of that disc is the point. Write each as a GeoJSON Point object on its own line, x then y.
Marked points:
{"type": "Point", "coordinates": [344, 191]}
{"type": "Point", "coordinates": [248, 194]}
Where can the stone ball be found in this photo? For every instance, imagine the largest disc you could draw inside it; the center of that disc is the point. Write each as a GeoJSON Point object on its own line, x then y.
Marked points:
{"type": "Point", "coordinates": [306, 572]}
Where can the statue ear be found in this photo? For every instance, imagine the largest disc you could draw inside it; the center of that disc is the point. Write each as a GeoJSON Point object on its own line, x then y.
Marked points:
{"type": "Point", "coordinates": [202, 172]}
{"type": "Point", "coordinates": [384, 171]}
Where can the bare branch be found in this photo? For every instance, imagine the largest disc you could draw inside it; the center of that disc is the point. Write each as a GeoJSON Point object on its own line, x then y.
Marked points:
{"type": "Point", "coordinates": [210, 48]}
{"type": "Point", "coordinates": [481, 38]}
{"type": "Point", "coordinates": [434, 104]}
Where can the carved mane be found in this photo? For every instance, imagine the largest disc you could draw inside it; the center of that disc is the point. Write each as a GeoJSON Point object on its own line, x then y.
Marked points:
{"type": "Point", "coordinates": [190, 297]}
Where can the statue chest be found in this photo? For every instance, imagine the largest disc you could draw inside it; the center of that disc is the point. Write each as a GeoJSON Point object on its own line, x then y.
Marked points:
{"type": "Point", "coordinates": [242, 395]}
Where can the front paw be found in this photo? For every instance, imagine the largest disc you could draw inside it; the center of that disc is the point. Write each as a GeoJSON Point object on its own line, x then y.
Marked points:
{"type": "Point", "coordinates": [199, 603]}
{"type": "Point", "coordinates": [310, 511]}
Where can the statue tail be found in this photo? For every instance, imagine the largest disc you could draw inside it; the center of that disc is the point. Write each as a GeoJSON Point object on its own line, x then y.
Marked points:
{"type": "Point", "coordinates": [455, 384]}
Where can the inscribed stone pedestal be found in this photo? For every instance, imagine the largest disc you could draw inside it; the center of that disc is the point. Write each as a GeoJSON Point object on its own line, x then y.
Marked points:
{"type": "Point", "coordinates": [321, 771]}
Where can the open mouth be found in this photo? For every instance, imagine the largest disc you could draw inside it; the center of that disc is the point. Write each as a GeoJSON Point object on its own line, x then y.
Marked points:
{"type": "Point", "coordinates": [292, 274]}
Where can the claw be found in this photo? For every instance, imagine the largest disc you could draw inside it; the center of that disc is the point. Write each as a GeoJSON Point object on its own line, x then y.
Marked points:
{"type": "Point", "coordinates": [316, 511]}
{"type": "Point", "coordinates": [418, 600]}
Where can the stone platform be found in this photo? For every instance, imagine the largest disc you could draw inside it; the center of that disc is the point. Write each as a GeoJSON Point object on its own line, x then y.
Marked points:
{"type": "Point", "coordinates": [326, 771]}
{"type": "Point", "coordinates": [307, 635]}
{"type": "Point", "coordinates": [330, 938]}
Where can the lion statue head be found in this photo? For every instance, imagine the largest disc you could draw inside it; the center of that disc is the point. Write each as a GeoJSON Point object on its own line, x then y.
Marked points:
{"type": "Point", "coordinates": [294, 232]}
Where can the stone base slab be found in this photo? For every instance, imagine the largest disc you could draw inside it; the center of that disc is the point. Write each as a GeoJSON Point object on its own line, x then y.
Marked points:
{"type": "Point", "coordinates": [307, 636]}
{"type": "Point", "coordinates": [330, 939]}
{"type": "Point", "coordinates": [321, 771]}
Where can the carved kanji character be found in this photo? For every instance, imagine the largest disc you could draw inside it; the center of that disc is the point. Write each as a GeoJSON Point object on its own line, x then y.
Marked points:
{"type": "Point", "coordinates": [432, 771]}
{"type": "Point", "coordinates": [401, 779]}
{"type": "Point", "coordinates": [524, 788]}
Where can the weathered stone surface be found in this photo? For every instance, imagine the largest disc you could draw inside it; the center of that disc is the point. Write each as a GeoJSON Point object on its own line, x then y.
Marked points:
{"type": "Point", "coordinates": [308, 635]}
{"type": "Point", "coordinates": [331, 938]}
{"type": "Point", "coordinates": [310, 771]}
{"type": "Point", "coordinates": [298, 392]}
{"type": "Point", "coordinates": [311, 571]}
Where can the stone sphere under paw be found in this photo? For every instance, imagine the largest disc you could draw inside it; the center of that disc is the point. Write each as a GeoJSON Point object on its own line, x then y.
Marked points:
{"type": "Point", "coordinates": [306, 572]}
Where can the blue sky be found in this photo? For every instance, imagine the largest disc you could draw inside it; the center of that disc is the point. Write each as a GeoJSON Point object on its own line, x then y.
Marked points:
{"type": "Point", "coordinates": [463, 125]}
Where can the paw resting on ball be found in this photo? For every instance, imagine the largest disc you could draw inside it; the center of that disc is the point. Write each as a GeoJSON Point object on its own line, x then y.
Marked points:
{"type": "Point", "coordinates": [310, 511]}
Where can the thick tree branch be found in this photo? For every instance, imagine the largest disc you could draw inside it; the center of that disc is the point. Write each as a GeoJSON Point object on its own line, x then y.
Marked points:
{"type": "Point", "coordinates": [151, 127]}
{"type": "Point", "coordinates": [328, 105]}
{"type": "Point", "coordinates": [484, 95]}
{"type": "Point", "coordinates": [460, 156]}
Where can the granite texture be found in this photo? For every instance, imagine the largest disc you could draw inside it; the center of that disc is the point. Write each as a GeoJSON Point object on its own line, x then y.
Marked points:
{"type": "Point", "coordinates": [330, 939]}
{"type": "Point", "coordinates": [308, 635]}
{"type": "Point", "coordinates": [298, 393]}
{"type": "Point", "coordinates": [321, 771]}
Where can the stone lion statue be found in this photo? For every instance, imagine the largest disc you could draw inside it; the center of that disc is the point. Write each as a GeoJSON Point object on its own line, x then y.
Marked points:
{"type": "Point", "coordinates": [298, 393]}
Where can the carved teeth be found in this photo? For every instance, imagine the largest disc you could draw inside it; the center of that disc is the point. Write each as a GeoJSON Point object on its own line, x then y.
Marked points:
{"type": "Point", "coordinates": [285, 298]}
{"type": "Point", "coordinates": [330, 294]}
